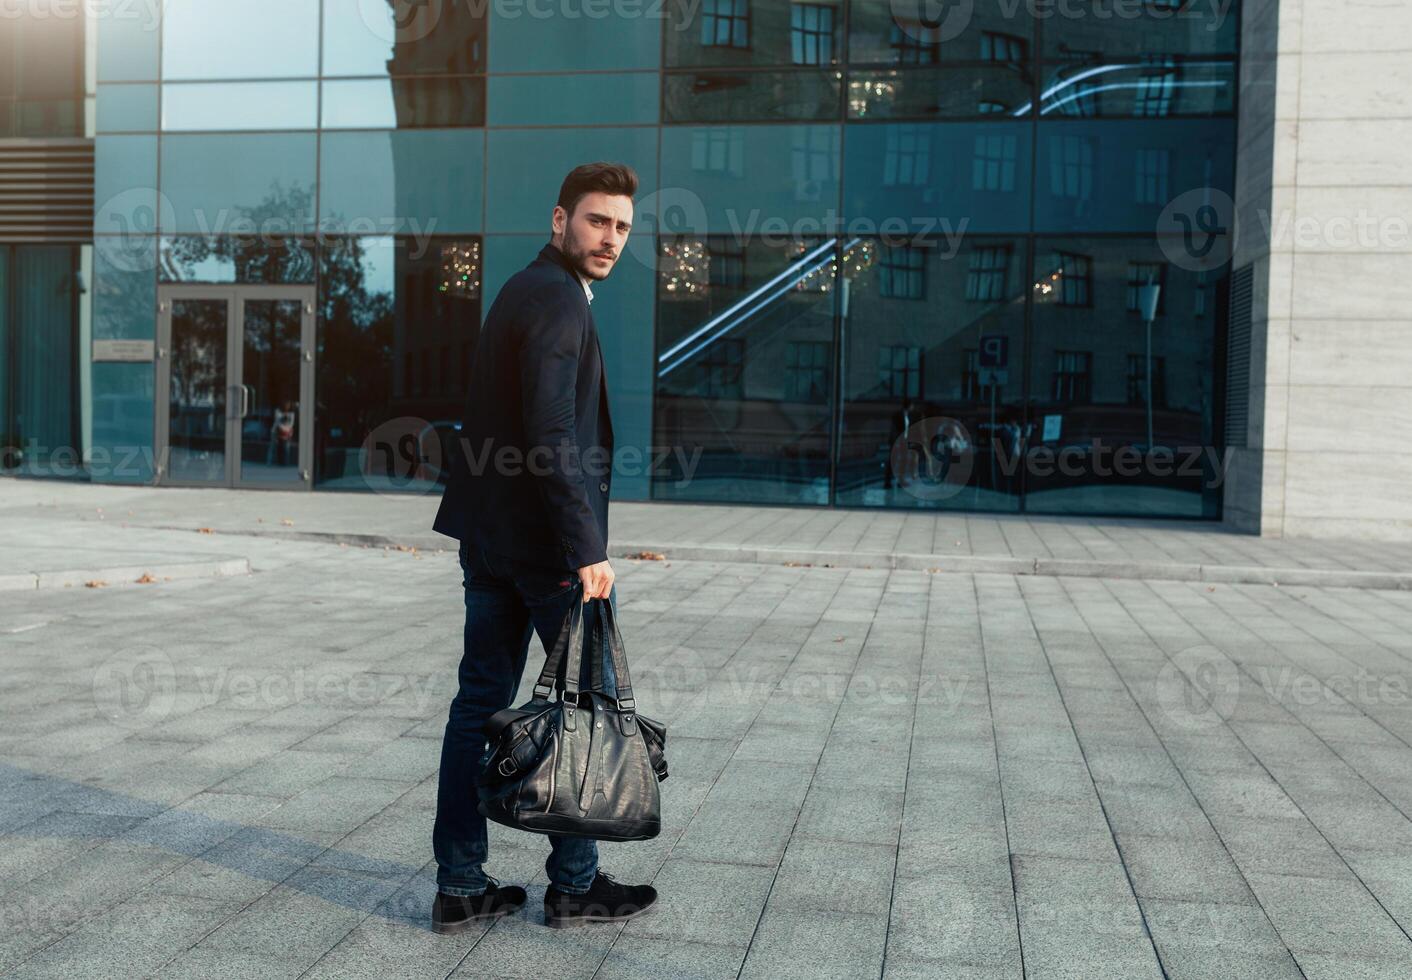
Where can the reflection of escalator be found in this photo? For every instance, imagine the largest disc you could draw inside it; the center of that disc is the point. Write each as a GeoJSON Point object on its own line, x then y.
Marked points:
{"type": "Point", "coordinates": [763, 445]}
{"type": "Point", "coordinates": [751, 309]}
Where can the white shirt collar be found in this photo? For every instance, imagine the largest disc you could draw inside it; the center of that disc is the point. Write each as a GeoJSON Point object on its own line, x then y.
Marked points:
{"type": "Point", "coordinates": [586, 291]}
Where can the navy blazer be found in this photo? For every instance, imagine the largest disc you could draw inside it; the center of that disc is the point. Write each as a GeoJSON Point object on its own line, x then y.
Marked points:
{"type": "Point", "coordinates": [532, 468]}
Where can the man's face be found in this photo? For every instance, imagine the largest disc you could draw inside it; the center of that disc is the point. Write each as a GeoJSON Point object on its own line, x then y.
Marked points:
{"type": "Point", "coordinates": [593, 238]}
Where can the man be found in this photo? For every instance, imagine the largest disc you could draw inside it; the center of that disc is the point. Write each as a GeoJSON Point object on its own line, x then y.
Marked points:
{"type": "Point", "coordinates": [527, 497]}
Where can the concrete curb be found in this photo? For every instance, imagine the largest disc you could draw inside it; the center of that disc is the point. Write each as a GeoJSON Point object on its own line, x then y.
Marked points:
{"type": "Point", "coordinates": [124, 574]}
{"type": "Point", "coordinates": [1007, 565]}
{"type": "Point", "coordinates": [963, 564]}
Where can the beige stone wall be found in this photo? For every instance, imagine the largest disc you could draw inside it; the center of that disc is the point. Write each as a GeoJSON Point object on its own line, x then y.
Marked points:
{"type": "Point", "coordinates": [1324, 204]}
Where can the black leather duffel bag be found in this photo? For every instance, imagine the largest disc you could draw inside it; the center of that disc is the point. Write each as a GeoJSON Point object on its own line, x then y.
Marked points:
{"type": "Point", "coordinates": [583, 765]}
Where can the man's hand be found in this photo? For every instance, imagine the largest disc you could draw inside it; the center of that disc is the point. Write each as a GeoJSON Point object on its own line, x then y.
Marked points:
{"type": "Point", "coordinates": [597, 580]}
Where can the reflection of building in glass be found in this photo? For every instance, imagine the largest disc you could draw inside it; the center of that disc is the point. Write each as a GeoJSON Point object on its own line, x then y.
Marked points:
{"type": "Point", "coordinates": [885, 220]}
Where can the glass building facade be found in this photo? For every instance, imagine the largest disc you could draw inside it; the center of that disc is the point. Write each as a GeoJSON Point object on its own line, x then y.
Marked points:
{"type": "Point", "coordinates": [878, 261]}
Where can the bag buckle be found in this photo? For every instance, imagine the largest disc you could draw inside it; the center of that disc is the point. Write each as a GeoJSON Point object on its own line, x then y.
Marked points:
{"type": "Point", "coordinates": [506, 771]}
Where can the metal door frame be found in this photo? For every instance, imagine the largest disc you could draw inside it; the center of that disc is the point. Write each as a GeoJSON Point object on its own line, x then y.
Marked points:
{"type": "Point", "coordinates": [235, 297]}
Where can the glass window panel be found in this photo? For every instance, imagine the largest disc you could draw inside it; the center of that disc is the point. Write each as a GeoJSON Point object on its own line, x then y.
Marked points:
{"type": "Point", "coordinates": [9, 441]}
{"type": "Point", "coordinates": [404, 103]}
{"type": "Point", "coordinates": [1088, 352]}
{"type": "Point", "coordinates": [415, 181]}
{"type": "Point", "coordinates": [398, 323]}
{"type": "Point", "coordinates": [917, 32]}
{"type": "Point", "coordinates": [933, 381]}
{"type": "Point", "coordinates": [1104, 29]}
{"type": "Point", "coordinates": [548, 36]}
{"type": "Point", "coordinates": [439, 37]}
{"type": "Point", "coordinates": [1113, 175]}
{"type": "Point", "coordinates": [127, 108]}
{"type": "Point", "coordinates": [124, 288]}
{"type": "Point", "coordinates": [239, 184]}
{"type": "Point", "coordinates": [249, 39]}
{"type": "Point", "coordinates": [527, 166]}
{"type": "Point", "coordinates": [46, 304]}
{"type": "Point", "coordinates": [747, 175]}
{"type": "Point", "coordinates": [939, 178]}
{"type": "Point", "coordinates": [574, 100]}
{"type": "Point", "coordinates": [999, 92]}
{"type": "Point", "coordinates": [128, 46]}
{"type": "Point", "coordinates": [732, 318]}
{"type": "Point", "coordinates": [198, 107]}
{"type": "Point", "coordinates": [752, 95]}
{"type": "Point", "coordinates": [1152, 88]}
{"type": "Point", "coordinates": [733, 33]}
{"type": "Point", "coordinates": [236, 259]}
{"type": "Point", "coordinates": [125, 187]}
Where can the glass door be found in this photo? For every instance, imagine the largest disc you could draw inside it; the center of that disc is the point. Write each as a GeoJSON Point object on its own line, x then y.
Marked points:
{"type": "Point", "coordinates": [234, 386]}
{"type": "Point", "coordinates": [274, 373]}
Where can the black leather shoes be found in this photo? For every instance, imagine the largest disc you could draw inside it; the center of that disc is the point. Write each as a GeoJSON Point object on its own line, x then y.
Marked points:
{"type": "Point", "coordinates": [605, 901]}
{"type": "Point", "coordinates": [455, 913]}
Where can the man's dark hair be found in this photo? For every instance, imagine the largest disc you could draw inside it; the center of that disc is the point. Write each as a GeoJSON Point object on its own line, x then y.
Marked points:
{"type": "Point", "coordinates": [609, 178]}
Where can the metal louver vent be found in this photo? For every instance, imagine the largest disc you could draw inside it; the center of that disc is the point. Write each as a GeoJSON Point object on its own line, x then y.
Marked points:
{"type": "Point", "coordinates": [1238, 357]}
{"type": "Point", "coordinates": [46, 190]}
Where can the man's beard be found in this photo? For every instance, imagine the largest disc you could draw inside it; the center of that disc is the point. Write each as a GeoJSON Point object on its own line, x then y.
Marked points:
{"type": "Point", "coordinates": [578, 257]}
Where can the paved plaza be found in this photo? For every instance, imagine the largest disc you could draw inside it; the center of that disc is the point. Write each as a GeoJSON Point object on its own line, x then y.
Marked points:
{"type": "Point", "coordinates": [222, 719]}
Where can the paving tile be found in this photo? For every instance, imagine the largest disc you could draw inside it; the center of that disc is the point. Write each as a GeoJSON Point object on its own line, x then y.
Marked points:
{"type": "Point", "coordinates": [635, 957]}
{"type": "Point", "coordinates": [816, 946]}
{"type": "Point", "coordinates": [705, 903]}
{"type": "Point", "coordinates": [835, 876]}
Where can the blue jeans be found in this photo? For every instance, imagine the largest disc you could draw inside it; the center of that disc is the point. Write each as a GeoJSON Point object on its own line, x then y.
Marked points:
{"type": "Point", "coordinates": [507, 601]}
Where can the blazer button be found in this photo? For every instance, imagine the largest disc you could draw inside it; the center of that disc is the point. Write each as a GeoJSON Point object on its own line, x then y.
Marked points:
{"type": "Point", "coordinates": [603, 487]}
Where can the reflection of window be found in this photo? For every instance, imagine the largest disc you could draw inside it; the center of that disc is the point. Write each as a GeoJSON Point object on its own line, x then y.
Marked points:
{"type": "Point", "coordinates": [718, 150]}
{"type": "Point", "coordinates": [914, 45]}
{"type": "Point", "coordinates": [1073, 376]}
{"type": "Point", "coordinates": [1075, 278]}
{"type": "Point", "coordinates": [1139, 275]}
{"type": "Point", "coordinates": [987, 107]}
{"type": "Point", "coordinates": [727, 263]}
{"type": "Point", "coordinates": [900, 371]}
{"type": "Point", "coordinates": [812, 153]}
{"type": "Point", "coordinates": [723, 368]}
{"type": "Point", "coordinates": [906, 156]}
{"type": "Point", "coordinates": [1071, 166]}
{"type": "Point", "coordinates": [806, 371]}
{"type": "Point", "coordinates": [996, 46]}
{"type": "Point", "coordinates": [902, 272]}
{"type": "Point", "coordinates": [725, 23]}
{"type": "Point", "coordinates": [1150, 170]}
{"type": "Point", "coordinates": [1137, 380]}
{"type": "Point", "coordinates": [985, 280]}
{"type": "Point", "coordinates": [993, 166]}
{"type": "Point", "coordinates": [1155, 91]}
{"type": "Point", "coordinates": [811, 33]}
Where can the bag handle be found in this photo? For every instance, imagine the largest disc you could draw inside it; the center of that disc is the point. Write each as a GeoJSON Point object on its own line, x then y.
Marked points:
{"type": "Point", "coordinates": [616, 648]}
{"type": "Point", "coordinates": [570, 638]}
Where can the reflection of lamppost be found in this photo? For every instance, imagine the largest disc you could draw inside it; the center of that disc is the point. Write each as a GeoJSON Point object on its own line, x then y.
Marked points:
{"type": "Point", "coordinates": [1147, 298]}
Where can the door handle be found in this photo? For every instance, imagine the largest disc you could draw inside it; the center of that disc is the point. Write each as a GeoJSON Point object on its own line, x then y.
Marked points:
{"type": "Point", "coordinates": [245, 399]}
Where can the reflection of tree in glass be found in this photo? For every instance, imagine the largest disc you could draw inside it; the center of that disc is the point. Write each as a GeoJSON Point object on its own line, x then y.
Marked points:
{"type": "Point", "coordinates": [198, 366]}
{"type": "Point", "coordinates": [356, 331]}
{"type": "Point", "coordinates": [266, 249]}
